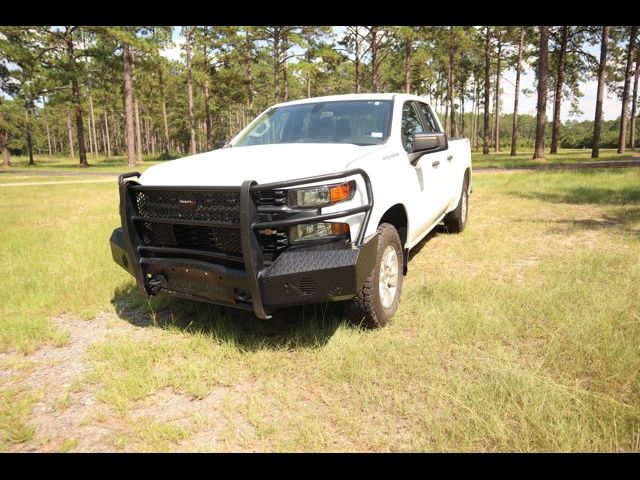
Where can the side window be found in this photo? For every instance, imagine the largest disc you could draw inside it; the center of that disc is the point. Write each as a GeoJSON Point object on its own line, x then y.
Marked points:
{"type": "Point", "coordinates": [410, 124]}
{"type": "Point", "coordinates": [431, 126]}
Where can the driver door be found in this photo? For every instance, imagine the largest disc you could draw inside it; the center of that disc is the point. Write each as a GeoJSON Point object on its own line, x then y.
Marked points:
{"type": "Point", "coordinates": [429, 176]}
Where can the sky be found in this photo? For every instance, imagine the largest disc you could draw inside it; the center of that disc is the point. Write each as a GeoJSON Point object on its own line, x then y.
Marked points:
{"type": "Point", "coordinates": [527, 103]}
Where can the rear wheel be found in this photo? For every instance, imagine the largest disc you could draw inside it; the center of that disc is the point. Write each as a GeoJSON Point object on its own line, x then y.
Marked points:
{"type": "Point", "coordinates": [377, 301]}
{"type": "Point", "coordinates": [456, 221]}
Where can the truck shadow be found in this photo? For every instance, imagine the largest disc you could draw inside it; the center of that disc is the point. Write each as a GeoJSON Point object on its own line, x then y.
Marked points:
{"type": "Point", "coordinates": [438, 230]}
{"type": "Point", "coordinates": [295, 327]}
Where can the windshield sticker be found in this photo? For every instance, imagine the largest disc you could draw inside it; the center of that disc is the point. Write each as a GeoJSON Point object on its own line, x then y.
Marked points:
{"type": "Point", "coordinates": [376, 134]}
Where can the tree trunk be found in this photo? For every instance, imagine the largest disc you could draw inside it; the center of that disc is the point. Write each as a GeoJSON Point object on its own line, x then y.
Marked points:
{"type": "Point", "coordinates": [497, 97]}
{"type": "Point", "coordinates": [557, 99]}
{"type": "Point", "coordinates": [452, 81]}
{"type": "Point", "coordinates": [447, 128]}
{"type": "Point", "coordinates": [487, 90]}
{"type": "Point", "coordinates": [70, 134]}
{"type": "Point", "coordinates": [597, 123]}
{"type": "Point", "coordinates": [4, 146]}
{"type": "Point", "coordinates": [625, 92]}
{"type": "Point", "coordinates": [543, 66]}
{"type": "Point", "coordinates": [285, 77]}
{"type": "Point", "coordinates": [165, 121]}
{"type": "Point", "coordinates": [250, 79]}
{"type": "Point", "coordinates": [634, 103]}
{"type": "Point", "coordinates": [514, 126]}
{"type": "Point", "coordinates": [473, 116]}
{"type": "Point", "coordinates": [357, 54]}
{"type": "Point", "coordinates": [93, 123]}
{"type": "Point", "coordinates": [75, 95]}
{"type": "Point", "coordinates": [28, 134]}
{"type": "Point", "coordinates": [106, 132]}
{"type": "Point", "coordinates": [462, 85]}
{"type": "Point", "coordinates": [407, 65]}
{"type": "Point", "coordinates": [138, 137]}
{"type": "Point", "coordinates": [276, 64]}
{"type": "Point", "coordinates": [79, 123]}
{"type": "Point", "coordinates": [90, 137]}
{"type": "Point", "coordinates": [477, 136]}
{"type": "Point", "coordinates": [145, 127]}
{"type": "Point", "coordinates": [207, 116]}
{"type": "Point", "coordinates": [117, 143]}
{"type": "Point", "coordinates": [46, 126]}
{"type": "Point", "coordinates": [192, 122]}
{"type": "Point", "coordinates": [104, 138]}
{"type": "Point", "coordinates": [128, 105]}
{"type": "Point", "coordinates": [374, 61]}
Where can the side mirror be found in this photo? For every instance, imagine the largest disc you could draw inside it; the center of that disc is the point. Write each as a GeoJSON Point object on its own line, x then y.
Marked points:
{"type": "Point", "coordinates": [424, 143]}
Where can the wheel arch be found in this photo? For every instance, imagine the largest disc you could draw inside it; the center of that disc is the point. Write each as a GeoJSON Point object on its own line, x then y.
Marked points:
{"type": "Point", "coordinates": [467, 178]}
{"type": "Point", "coordinates": [396, 215]}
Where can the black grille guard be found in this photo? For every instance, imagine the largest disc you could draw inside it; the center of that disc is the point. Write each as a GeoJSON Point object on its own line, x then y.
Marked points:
{"type": "Point", "coordinates": [252, 257]}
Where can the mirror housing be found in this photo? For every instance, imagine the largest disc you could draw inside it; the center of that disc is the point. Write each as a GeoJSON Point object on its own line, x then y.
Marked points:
{"type": "Point", "coordinates": [424, 143]}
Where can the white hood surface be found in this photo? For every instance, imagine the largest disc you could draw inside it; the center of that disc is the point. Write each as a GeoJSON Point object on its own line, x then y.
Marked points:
{"type": "Point", "coordinates": [262, 163]}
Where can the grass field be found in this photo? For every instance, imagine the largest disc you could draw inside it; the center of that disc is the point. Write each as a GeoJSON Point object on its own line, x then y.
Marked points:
{"type": "Point", "coordinates": [521, 334]}
{"type": "Point", "coordinates": [67, 164]}
{"type": "Point", "coordinates": [503, 159]}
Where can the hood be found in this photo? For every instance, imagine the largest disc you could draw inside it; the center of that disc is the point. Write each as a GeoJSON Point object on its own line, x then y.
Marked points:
{"type": "Point", "coordinates": [262, 163]}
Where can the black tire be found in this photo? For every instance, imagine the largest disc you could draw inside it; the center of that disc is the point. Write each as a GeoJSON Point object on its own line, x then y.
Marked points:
{"type": "Point", "coordinates": [456, 221]}
{"type": "Point", "coordinates": [367, 308]}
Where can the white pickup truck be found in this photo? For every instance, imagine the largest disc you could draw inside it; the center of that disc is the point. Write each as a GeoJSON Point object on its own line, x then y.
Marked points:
{"type": "Point", "coordinates": [316, 200]}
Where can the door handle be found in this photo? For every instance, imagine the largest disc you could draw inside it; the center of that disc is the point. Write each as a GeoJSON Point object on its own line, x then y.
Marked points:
{"type": "Point", "coordinates": [435, 164]}
{"type": "Point", "coordinates": [450, 157]}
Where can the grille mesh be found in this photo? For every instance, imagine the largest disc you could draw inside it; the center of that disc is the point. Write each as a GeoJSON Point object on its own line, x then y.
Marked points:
{"type": "Point", "coordinates": [220, 207]}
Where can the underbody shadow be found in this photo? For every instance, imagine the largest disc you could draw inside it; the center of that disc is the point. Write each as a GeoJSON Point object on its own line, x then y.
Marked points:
{"type": "Point", "coordinates": [438, 230]}
{"type": "Point", "coordinates": [294, 327]}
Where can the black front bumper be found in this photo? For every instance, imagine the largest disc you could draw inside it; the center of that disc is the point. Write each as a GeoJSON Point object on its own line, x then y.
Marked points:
{"type": "Point", "coordinates": [299, 275]}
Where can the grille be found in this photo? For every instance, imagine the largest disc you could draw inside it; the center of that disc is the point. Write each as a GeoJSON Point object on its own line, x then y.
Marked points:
{"type": "Point", "coordinates": [221, 207]}
{"type": "Point", "coordinates": [273, 244]}
{"type": "Point", "coordinates": [215, 207]}
{"type": "Point", "coordinates": [272, 197]}
{"type": "Point", "coordinates": [275, 241]}
{"type": "Point", "coordinates": [212, 239]}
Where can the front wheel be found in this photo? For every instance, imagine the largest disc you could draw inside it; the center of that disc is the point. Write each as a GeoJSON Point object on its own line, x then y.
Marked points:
{"type": "Point", "coordinates": [377, 300]}
{"type": "Point", "coordinates": [456, 221]}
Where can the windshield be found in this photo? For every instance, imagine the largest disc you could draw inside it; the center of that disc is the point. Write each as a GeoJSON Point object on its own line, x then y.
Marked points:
{"type": "Point", "coordinates": [361, 122]}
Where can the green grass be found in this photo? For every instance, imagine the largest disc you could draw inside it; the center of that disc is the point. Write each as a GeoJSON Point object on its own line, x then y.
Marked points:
{"type": "Point", "coordinates": [15, 407]}
{"type": "Point", "coordinates": [524, 157]}
{"type": "Point", "coordinates": [55, 249]}
{"type": "Point", "coordinates": [148, 436]}
{"type": "Point", "coordinates": [68, 445]}
{"type": "Point", "coordinates": [18, 178]}
{"type": "Point", "coordinates": [521, 334]}
{"type": "Point", "coordinates": [67, 164]}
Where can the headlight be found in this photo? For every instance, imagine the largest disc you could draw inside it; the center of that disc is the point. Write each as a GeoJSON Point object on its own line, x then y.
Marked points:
{"type": "Point", "coordinates": [313, 231]}
{"type": "Point", "coordinates": [321, 195]}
